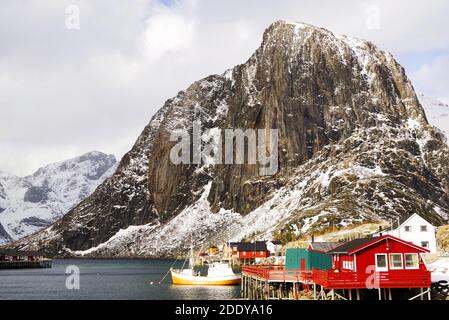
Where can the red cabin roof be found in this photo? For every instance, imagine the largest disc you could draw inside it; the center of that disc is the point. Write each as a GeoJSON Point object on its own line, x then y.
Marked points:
{"type": "Point", "coordinates": [357, 245]}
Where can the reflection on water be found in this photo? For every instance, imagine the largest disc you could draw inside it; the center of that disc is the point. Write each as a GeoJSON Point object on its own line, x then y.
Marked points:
{"type": "Point", "coordinates": [106, 279]}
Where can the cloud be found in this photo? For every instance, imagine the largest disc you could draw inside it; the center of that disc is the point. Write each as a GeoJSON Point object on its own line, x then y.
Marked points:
{"type": "Point", "coordinates": [66, 92]}
{"type": "Point", "coordinates": [167, 33]}
{"type": "Point", "coordinates": [433, 78]}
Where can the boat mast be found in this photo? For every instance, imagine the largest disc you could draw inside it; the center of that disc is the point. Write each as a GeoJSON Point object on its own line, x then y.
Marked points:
{"type": "Point", "coordinates": [192, 259]}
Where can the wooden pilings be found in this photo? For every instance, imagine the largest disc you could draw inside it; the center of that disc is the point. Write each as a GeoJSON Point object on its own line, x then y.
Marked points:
{"type": "Point", "coordinates": [255, 287]}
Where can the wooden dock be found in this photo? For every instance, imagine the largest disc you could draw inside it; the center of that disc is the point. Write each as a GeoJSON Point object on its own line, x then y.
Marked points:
{"type": "Point", "coordinates": [274, 282]}
{"type": "Point", "coordinates": [45, 263]}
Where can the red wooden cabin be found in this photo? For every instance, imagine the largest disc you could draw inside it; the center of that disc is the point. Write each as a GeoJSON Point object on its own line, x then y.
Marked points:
{"type": "Point", "coordinates": [379, 263]}
{"type": "Point", "coordinates": [382, 262]}
{"type": "Point", "coordinates": [251, 250]}
{"type": "Point", "coordinates": [385, 254]}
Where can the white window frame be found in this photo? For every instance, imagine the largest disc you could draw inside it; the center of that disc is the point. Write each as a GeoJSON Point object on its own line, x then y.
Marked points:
{"type": "Point", "coordinates": [405, 261]}
{"type": "Point", "coordinates": [381, 269]}
{"type": "Point", "coordinates": [409, 228]}
{"type": "Point", "coordinates": [402, 261]}
{"type": "Point", "coordinates": [425, 227]}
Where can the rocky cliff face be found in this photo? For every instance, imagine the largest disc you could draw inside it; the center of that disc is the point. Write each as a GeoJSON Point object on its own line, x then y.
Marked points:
{"type": "Point", "coordinates": [31, 203]}
{"type": "Point", "coordinates": [354, 146]}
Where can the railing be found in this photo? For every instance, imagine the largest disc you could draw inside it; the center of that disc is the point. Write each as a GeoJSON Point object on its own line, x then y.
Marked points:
{"type": "Point", "coordinates": [342, 280]}
{"type": "Point", "coordinates": [392, 279]}
{"type": "Point", "coordinates": [278, 273]}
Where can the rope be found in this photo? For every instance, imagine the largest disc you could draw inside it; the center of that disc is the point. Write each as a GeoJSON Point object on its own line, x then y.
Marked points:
{"type": "Point", "coordinates": [163, 278]}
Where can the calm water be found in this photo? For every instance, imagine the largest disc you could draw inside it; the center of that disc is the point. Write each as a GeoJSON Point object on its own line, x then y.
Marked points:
{"type": "Point", "coordinates": [105, 279]}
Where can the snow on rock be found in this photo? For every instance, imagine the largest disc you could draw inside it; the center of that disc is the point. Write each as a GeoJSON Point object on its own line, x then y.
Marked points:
{"type": "Point", "coordinates": [165, 240]}
{"type": "Point", "coordinates": [437, 113]}
{"type": "Point", "coordinates": [33, 202]}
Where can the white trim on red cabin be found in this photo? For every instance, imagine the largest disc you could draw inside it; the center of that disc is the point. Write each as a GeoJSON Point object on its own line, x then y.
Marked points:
{"type": "Point", "coordinates": [369, 244]}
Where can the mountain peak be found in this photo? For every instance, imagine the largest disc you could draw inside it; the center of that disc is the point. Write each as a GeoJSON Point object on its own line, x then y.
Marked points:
{"type": "Point", "coordinates": [300, 31]}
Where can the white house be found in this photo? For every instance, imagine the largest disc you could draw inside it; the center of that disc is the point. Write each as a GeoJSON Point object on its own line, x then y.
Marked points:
{"type": "Point", "coordinates": [275, 247]}
{"type": "Point", "coordinates": [415, 229]}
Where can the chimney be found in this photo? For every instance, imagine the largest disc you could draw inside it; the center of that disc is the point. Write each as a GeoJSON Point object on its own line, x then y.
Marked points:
{"type": "Point", "coordinates": [313, 238]}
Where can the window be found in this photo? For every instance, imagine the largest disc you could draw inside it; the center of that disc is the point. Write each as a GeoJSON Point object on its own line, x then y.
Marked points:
{"type": "Point", "coordinates": [408, 229]}
{"type": "Point", "coordinates": [381, 262]}
{"type": "Point", "coordinates": [425, 244]}
{"type": "Point", "coordinates": [423, 228]}
{"type": "Point", "coordinates": [396, 261]}
{"type": "Point", "coordinates": [411, 261]}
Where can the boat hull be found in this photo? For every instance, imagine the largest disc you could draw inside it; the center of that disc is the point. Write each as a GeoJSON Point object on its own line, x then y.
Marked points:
{"type": "Point", "coordinates": [185, 279]}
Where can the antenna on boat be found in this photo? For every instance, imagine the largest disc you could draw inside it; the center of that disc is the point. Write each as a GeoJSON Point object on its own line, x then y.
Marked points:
{"type": "Point", "coordinates": [192, 259]}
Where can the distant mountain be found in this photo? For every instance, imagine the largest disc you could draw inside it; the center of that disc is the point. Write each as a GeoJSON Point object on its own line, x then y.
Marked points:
{"type": "Point", "coordinates": [31, 203]}
{"type": "Point", "coordinates": [437, 113]}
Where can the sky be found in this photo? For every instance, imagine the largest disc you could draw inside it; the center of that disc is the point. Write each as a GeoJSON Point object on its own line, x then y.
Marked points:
{"type": "Point", "coordinates": [84, 75]}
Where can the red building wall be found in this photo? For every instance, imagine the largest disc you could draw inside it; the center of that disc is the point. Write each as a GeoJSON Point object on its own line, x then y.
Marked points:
{"type": "Point", "coordinates": [366, 257]}
{"type": "Point", "coordinates": [250, 254]}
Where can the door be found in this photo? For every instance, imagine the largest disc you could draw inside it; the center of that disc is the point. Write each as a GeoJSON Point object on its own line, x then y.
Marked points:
{"type": "Point", "coordinates": [303, 264]}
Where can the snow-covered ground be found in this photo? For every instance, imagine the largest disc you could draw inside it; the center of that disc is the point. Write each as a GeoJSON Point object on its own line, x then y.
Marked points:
{"type": "Point", "coordinates": [439, 269]}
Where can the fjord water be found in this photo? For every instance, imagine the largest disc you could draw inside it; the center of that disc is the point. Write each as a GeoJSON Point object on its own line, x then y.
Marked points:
{"type": "Point", "coordinates": [105, 280]}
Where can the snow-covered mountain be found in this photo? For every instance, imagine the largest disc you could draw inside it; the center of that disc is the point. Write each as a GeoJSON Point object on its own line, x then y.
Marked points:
{"type": "Point", "coordinates": [33, 202]}
{"type": "Point", "coordinates": [437, 113]}
{"type": "Point", "coordinates": [354, 146]}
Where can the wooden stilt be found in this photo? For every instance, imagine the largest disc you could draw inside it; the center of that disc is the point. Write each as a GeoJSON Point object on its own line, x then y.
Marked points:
{"type": "Point", "coordinates": [357, 291]}
{"type": "Point", "coordinates": [350, 294]}
{"type": "Point", "coordinates": [267, 290]}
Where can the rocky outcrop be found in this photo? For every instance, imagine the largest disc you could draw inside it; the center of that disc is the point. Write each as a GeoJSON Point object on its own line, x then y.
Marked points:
{"type": "Point", "coordinates": [3, 199]}
{"type": "Point", "coordinates": [4, 236]}
{"type": "Point", "coordinates": [36, 194]}
{"type": "Point", "coordinates": [354, 146]}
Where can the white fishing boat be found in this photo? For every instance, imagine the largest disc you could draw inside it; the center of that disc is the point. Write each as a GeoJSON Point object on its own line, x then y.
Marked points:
{"type": "Point", "coordinates": [218, 274]}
